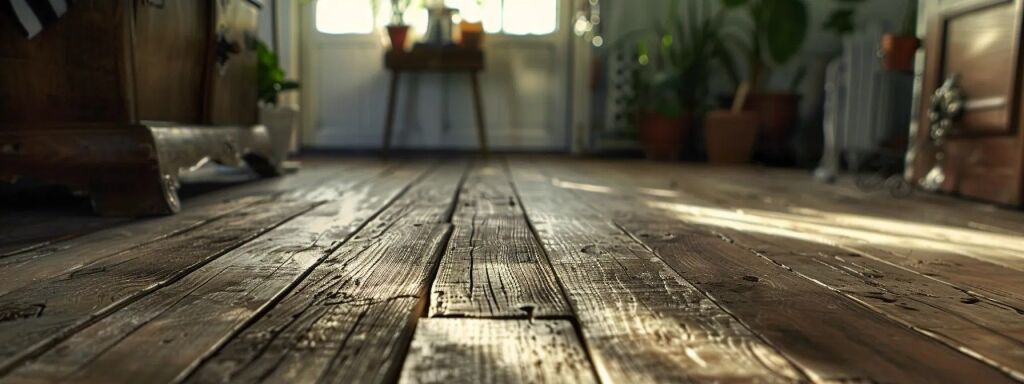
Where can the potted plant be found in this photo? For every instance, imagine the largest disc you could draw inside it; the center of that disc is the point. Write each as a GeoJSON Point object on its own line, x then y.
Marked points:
{"type": "Point", "coordinates": [676, 85]}
{"type": "Point", "coordinates": [777, 32]}
{"type": "Point", "coordinates": [398, 30]}
{"type": "Point", "coordinates": [898, 50]}
{"type": "Point", "coordinates": [730, 134]}
{"type": "Point", "coordinates": [279, 120]}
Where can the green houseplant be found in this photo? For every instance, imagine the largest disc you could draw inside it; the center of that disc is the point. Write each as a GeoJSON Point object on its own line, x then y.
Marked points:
{"type": "Point", "coordinates": [270, 75]}
{"type": "Point", "coordinates": [673, 86]}
{"type": "Point", "coordinates": [777, 32]}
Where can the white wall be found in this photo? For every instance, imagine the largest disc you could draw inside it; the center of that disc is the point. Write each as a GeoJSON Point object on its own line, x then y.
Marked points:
{"type": "Point", "coordinates": [287, 36]}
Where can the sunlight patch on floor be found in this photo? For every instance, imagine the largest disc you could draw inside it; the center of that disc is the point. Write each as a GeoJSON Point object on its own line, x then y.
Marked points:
{"type": "Point", "coordinates": [851, 230]}
{"type": "Point", "coordinates": [834, 228]}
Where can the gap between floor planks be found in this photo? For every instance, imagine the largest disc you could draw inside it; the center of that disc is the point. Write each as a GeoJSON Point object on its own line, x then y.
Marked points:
{"type": "Point", "coordinates": [371, 292]}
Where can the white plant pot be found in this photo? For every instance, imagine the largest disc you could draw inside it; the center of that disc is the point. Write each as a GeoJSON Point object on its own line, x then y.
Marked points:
{"type": "Point", "coordinates": [280, 122]}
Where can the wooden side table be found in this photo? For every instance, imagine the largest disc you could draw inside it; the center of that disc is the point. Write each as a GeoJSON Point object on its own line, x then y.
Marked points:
{"type": "Point", "coordinates": [448, 60]}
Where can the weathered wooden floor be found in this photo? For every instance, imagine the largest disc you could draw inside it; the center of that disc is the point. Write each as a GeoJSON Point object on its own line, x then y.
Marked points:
{"type": "Point", "coordinates": [523, 269]}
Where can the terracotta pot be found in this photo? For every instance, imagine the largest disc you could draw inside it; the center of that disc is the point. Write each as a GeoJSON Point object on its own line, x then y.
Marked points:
{"type": "Point", "coordinates": [663, 137]}
{"type": "Point", "coordinates": [398, 35]}
{"type": "Point", "coordinates": [777, 113]}
{"type": "Point", "coordinates": [471, 35]}
{"type": "Point", "coordinates": [898, 52]}
{"type": "Point", "coordinates": [730, 137]}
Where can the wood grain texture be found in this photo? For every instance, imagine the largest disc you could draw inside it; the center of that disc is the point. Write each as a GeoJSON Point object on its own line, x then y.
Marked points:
{"type": "Point", "coordinates": [493, 266]}
{"type": "Point", "coordinates": [831, 337]}
{"type": "Point", "coordinates": [786, 307]}
{"type": "Point", "coordinates": [496, 351]}
{"type": "Point", "coordinates": [50, 260]}
{"type": "Point", "coordinates": [45, 262]}
{"type": "Point", "coordinates": [347, 321]}
{"type": "Point", "coordinates": [641, 321]}
{"type": "Point", "coordinates": [186, 321]}
{"type": "Point", "coordinates": [990, 331]}
{"type": "Point", "coordinates": [28, 229]}
{"type": "Point", "coordinates": [43, 313]}
{"type": "Point", "coordinates": [352, 317]}
{"type": "Point", "coordinates": [930, 235]}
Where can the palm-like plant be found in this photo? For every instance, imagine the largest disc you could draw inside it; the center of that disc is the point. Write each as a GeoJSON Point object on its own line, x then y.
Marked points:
{"type": "Point", "coordinates": [691, 49]}
{"type": "Point", "coordinates": [777, 32]}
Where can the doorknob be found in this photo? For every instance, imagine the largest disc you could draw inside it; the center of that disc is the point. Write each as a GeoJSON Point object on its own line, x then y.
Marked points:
{"type": "Point", "coordinates": [947, 108]}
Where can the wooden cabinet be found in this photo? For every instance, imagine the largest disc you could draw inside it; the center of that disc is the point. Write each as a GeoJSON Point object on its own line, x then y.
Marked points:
{"type": "Point", "coordinates": [116, 97]}
{"type": "Point", "coordinates": [981, 154]}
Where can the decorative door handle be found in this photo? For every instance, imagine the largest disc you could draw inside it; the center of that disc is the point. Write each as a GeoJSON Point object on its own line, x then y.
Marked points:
{"type": "Point", "coordinates": [947, 107]}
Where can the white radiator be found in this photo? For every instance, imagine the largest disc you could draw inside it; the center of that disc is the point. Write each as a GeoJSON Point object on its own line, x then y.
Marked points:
{"type": "Point", "coordinates": [865, 106]}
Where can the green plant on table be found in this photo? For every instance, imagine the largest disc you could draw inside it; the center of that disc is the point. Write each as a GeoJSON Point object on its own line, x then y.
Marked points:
{"type": "Point", "coordinates": [270, 75]}
{"type": "Point", "coordinates": [398, 8]}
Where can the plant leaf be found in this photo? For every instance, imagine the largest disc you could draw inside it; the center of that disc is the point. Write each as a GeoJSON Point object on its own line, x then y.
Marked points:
{"type": "Point", "coordinates": [784, 28]}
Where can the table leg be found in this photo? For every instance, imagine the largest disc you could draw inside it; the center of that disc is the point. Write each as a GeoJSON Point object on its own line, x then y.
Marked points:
{"type": "Point", "coordinates": [478, 106]}
{"type": "Point", "coordinates": [390, 119]}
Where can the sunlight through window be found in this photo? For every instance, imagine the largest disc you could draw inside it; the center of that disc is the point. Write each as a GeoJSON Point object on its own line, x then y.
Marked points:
{"type": "Point", "coordinates": [338, 17]}
{"type": "Point", "coordinates": [529, 17]}
{"type": "Point", "coordinates": [513, 17]}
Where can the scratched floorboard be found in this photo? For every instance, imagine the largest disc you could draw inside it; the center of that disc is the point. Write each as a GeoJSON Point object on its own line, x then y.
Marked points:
{"type": "Point", "coordinates": [517, 269]}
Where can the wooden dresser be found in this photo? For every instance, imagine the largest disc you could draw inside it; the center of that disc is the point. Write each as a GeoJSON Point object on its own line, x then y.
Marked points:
{"type": "Point", "coordinates": [980, 154]}
{"type": "Point", "coordinates": [117, 97]}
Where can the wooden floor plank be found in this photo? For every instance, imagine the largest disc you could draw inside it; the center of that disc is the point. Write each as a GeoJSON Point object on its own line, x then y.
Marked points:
{"type": "Point", "coordinates": [49, 227]}
{"type": "Point", "coordinates": [825, 216]}
{"type": "Point", "coordinates": [493, 266]}
{"type": "Point", "coordinates": [64, 257]}
{"type": "Point", "coordinates": [38, 315]}
{"type": "Point", "coordinates": [42, 313]}
{"type": "Point", "coordinates": [844, 342]}
{"type": "Point", "coordinates": [28, 230]}
{"type": "Point", "coordinates": [988, 330]}
{"type": "Point", "coordinates": [352, 317]}
{"type": "Point", "coordinates": [52, 260]}
{"type": "Point", "coordinates": [184, 322]}
{"type": "Point", "coordinates": [640, 320]}
{"type": "Point", "coordinates": [451, 351]}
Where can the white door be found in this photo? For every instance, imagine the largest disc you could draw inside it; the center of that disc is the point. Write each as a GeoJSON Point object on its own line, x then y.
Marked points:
{"type": "Point", "coordinates": [524, 86]}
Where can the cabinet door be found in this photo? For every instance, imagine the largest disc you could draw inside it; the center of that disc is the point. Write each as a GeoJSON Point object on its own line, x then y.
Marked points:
{"type": "Point", "coordinates": [170, 47]}
{"type": "Point", "coordinates": [978, 41]}
{"type": "Point", "coordinates": [232, 84]}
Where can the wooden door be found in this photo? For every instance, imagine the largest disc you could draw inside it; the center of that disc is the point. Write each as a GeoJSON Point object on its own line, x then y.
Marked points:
{"type": "Point", "coordinates": [977, 41]}
{"type": "Point", "coordinates": [231, 76]}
